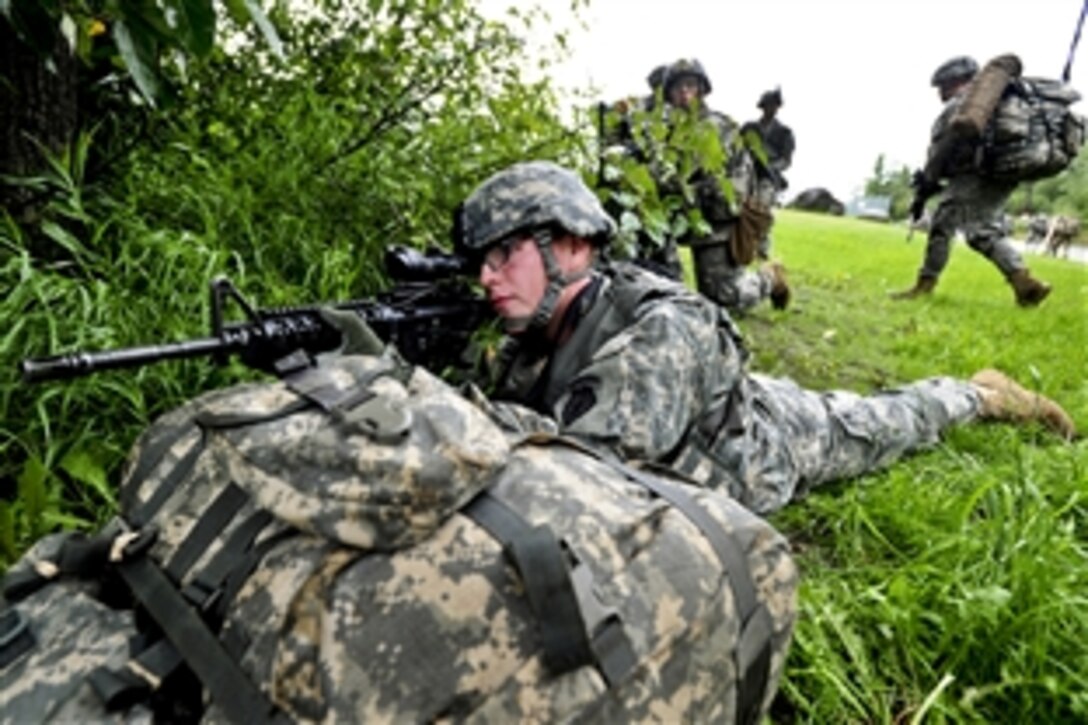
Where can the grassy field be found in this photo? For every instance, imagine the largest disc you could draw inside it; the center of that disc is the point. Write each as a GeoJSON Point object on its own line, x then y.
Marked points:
{"type": "Point", "coordinates": [953, 587]}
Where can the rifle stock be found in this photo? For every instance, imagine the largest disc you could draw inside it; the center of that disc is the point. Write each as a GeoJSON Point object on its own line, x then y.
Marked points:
{"type": "Point", "coordinates": [429, 316]}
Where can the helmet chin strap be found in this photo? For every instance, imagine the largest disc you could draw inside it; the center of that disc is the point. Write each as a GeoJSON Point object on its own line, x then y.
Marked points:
{"type": "Point", "coordinates": [538, 321]}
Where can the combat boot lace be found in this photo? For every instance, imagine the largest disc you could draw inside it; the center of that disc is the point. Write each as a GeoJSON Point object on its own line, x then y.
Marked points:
{"type": "Point", "coordinates": [1005, 399]}
{"type": "Point", "coordinates": [924, 286]}
{"type": "Point", "coordinates": [1029, 291]}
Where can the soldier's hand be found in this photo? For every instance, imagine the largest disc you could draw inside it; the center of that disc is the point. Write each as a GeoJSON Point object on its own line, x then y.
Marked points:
{"type": "Point", "coordinates": [357, 338]}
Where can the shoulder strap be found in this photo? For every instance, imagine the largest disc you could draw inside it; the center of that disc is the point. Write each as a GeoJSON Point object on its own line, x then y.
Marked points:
{"type": "Point", "coordinates": [575, 629]}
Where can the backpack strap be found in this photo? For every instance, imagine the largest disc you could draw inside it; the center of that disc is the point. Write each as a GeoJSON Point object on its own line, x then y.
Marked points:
{"type": "Point", "coordinates": [229, 686]}
{"type": "Point", "coordinates": [15, 636]}
{"type": "Point", "coordinates": [575, 629]}
{"type": "Point", "coordinates": [753, 654]}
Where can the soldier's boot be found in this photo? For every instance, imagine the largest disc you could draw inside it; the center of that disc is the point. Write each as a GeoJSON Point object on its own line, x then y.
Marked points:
{"type": "Point", "coordinates": [1005, 399]}
{"type": "Point", "coordinates": [780, 288]}
{"type": "Point", "coordinates": [924, 286]}
{"type": "Point", "coordinates": [1029, 291]}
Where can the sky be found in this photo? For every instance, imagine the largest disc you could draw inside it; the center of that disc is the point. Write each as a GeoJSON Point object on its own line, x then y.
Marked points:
{"type": "Point", "coordinates": [854, 74]}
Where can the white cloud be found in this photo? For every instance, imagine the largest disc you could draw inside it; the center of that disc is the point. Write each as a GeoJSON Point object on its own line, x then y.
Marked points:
{"type": "Point", "coordinates": [854, 73]}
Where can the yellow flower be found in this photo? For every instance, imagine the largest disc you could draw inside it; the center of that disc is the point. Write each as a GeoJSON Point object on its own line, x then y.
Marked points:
{"type": "Point", "coordinates": [96, 27]}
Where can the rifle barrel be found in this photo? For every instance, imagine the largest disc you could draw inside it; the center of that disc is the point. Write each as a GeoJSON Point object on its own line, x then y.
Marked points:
{"type": "Point", "coordinates": [78, 364]}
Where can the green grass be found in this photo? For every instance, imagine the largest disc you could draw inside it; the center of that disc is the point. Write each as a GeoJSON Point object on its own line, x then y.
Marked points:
{"type": "Point", "coordinates": [954, 586]}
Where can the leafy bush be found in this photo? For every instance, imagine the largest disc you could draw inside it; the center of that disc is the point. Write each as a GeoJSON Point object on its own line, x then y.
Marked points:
{"type": "Point", "coordinates": [290, 176]}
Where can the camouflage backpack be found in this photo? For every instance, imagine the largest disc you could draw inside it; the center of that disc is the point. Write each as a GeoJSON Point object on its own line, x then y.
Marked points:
{"type": "Point", "coordinates": [1033, 134]}
{"type": "Point", "coordinates": [360, 543]}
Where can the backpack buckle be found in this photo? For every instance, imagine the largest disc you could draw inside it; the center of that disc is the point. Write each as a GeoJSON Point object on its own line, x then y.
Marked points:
{"type": "Point", "coordinates": [129, 545]}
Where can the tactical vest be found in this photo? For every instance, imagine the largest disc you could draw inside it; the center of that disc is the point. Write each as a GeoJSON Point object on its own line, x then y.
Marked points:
{"type": "Point", "coordinates": [359, 543]}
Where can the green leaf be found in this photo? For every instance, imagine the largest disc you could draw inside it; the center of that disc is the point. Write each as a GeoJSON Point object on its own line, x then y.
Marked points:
{"type": "Point", "coordinates": [61, 236]}
{"type": "Point", "coordinates": [200, 20]}
{"type": "Point", "coordinates": [265, 26]}
{"type": "Point", "coordinates": [237, 10]}
{"type": "Point", "coordinates": [138, 51]}
{"type": "Point", "coordinates": [7, 531]}
{"type": "Point", "coordinates": [32, 493]}
{"type": "Point", "coordinates": [82, 466]}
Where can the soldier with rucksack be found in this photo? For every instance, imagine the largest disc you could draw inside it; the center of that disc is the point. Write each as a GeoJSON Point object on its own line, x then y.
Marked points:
{"type": "Point", "coordinates": [996, 130]}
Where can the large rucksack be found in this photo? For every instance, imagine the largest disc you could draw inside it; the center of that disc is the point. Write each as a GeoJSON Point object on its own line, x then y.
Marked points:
{"type": "Point", "coordinates": [1034, 133]}
{"type": "Point", "coordinates": [360, 543]}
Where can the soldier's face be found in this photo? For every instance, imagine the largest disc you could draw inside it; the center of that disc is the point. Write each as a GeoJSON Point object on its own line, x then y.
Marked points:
{"type": "Point", "coordinates": [513, 275]}
{"type": "Point", "coordinates": [684, 91]}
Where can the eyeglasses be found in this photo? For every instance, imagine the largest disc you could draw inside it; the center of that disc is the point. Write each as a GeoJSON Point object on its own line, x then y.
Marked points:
{"type": "Point", "coordinates": [499, 255]}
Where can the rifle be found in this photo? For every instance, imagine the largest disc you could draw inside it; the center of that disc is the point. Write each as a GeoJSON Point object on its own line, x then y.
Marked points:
{"type": "Point", "coordinates": [429, 315]}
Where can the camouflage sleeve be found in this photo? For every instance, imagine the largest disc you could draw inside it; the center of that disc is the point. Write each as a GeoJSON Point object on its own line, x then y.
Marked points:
{"type": "Point", "coordinates": [641, 391]}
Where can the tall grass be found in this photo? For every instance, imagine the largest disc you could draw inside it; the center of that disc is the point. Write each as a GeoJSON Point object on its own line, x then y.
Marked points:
{"type": "Point", "coordinates": [952, 587]}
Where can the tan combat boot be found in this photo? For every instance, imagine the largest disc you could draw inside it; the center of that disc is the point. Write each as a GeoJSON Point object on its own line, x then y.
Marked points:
{"type": "Point", "coordinates": [924, 286]}
{"type": "Point", "coordinates": [780, 288]}
{"type": "Point", "coordinates": [1005, 399]}
{"type": "Point", "coordinates": [1029, 291]}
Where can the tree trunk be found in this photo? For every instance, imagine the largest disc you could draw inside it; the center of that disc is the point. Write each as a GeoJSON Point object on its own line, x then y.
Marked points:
{"type": "Point", "coordinates": [38, 110]}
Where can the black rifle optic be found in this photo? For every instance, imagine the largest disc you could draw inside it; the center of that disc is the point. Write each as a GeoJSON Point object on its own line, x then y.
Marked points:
{"type": "Point", "coordinates": [429, 315]}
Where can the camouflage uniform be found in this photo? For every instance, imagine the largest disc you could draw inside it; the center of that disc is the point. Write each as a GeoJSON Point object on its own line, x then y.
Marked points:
{"type": "Point", "coordinates": [656, 373]}
{"type": "Point", "coordinates": [972, 204]}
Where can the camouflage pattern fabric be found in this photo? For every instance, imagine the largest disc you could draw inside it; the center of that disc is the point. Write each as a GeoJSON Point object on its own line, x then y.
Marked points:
{"type": "Point", "coordinates": [73, 635]}
{"type": "Point", "coordinates": [528, 195]}
{"type": "Point", "coordinates": [953, 69]}
{"type": "Point", "coordinates": [975, 206]}
{"type": "Point", "coordinates": [1034, 133]}
{"type": "Point", "coordinates": [970, 203]}
{"type": "Point", "coordinates": [767, 194]}
{"type": "Point", "coordinates": [379, 600]}
{"type": "Point", "coordinates": [667, 382]}
{"type": "Point", "coordinates": [718, 278]}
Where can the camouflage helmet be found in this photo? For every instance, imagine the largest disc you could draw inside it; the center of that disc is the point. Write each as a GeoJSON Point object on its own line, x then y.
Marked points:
{"type": "Point", "coordinates": [961, 67]}
{"type": "Point", "coordinates": [657, 77]}
{"type": "Point", "coordinates": [770, 98]}
{"type": "Point", "coordinates": [686, 67]}
{"type": "Point", "coordinates": [527, 196]}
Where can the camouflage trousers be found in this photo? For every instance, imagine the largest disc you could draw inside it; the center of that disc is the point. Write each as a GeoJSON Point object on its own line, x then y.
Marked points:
{"type": "Point", "coordinates": [974, 206]}
{"type": "Point", "coordinates": [766, 194]}
{"type": "Point", "coordinates": [719, 279]}
{"type": "Point", "coordinates": [797, 439]}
